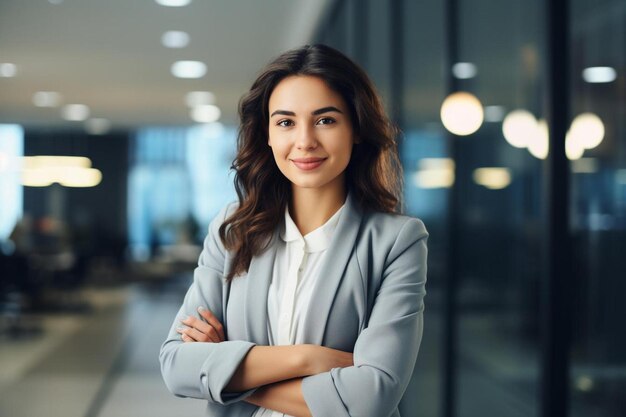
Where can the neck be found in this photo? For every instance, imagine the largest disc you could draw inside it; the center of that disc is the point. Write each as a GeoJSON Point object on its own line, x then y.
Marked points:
{"type": "Point", "coordinates": [310, 208]}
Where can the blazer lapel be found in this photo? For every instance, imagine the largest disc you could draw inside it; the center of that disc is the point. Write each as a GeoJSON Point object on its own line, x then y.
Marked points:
{"type": "Point", "coordinates": [332, 271]}
{"type": "Point", "coordinates": [258, 282]}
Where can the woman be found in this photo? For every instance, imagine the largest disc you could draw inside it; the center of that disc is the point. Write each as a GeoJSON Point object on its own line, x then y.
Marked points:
{"type": "Point", "coordinates": [308, 296]}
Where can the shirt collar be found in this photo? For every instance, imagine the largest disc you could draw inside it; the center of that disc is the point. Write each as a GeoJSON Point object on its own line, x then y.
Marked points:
{"type": "Point", "coordinates": [316, 240]}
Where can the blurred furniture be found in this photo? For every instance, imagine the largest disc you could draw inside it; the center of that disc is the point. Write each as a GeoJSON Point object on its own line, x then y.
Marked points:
{"type": "Point", "coordinates": [15, 292]}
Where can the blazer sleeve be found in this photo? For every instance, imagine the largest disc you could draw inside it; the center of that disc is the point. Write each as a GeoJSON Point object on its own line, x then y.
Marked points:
{"type": "Point", "coordinates": [386, 350]}
{"type": "Point", "coordinates": [201, 369]}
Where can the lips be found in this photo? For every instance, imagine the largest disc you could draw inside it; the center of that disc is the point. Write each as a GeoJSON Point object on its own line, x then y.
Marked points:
{"type": "Point", "coordinates": [308, 164]}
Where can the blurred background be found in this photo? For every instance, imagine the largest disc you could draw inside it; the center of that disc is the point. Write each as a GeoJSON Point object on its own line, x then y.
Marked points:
{"type": "Point", "coordinates": [117, 129]}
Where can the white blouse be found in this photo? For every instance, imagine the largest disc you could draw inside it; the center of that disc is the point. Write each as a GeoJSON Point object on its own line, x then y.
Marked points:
{"type": "Point", "coordinates": [296, 270]}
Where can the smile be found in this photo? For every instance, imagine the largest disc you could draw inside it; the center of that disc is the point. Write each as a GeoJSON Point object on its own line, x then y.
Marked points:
{"type": "Point", "coordinates": [308, 164]}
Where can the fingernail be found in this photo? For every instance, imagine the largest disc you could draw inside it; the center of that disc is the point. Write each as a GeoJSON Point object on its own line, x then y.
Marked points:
{"type": "Point", "coordinates": [201, 308]}
{"type": "Point", "coordinates": [180, 329]}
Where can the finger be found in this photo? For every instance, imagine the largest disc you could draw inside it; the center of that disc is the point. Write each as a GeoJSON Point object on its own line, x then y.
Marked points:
{"type": "Point", "coordinates": [212, 320]}
{"type": "Point", "coordinates": [181, 331]}
{"type": "Point", "coordinates": [186, 337]}
{"type": "Point", "coordinates": [210, 337]}
{"type": "Point", "coordinates": [202, 327]}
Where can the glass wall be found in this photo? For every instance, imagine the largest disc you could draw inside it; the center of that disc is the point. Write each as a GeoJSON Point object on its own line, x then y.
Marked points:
{"type": "Point", "coordinates": [482, 194]}
{"type": "Point", "coordinates": [597, 150]}
{"type": "Point", "coordinates": [501, 61]}
{"type": "Point", "coordinates": [427, 180]}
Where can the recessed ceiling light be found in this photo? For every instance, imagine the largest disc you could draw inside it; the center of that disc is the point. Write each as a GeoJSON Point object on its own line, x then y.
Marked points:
{"type": "Point", "coordinates": [173, 3]}
{"type": "Point", "coordinates": [206, 113]}
{"type": "Point", "coordinates": [188, 69]}
{"type": "Point", "coordinates": [464, 70]}
{"type": "Point", "coordinates": [46, 99]}
{"type": "Point", "coordinates": [599, 74]}
{"type": "Point", "coordinates": [97, 126]}
{"type": "Point", "coordinates": [199, 98]}
{"type": "Point", "coordinates": [7, 69]}
{"type": "Point", "coordinates": [75, 112]}
{"type": "Point", "coordinates": [175, 39]}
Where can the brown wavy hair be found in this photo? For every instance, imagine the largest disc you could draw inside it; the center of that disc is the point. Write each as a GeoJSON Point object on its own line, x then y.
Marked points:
{"type": "Point", "coordinates": [373, 175]}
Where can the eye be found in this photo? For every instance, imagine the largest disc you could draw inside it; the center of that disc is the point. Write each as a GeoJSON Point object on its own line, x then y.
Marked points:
{"type": "Point", "coordinates": [284, 123]}
{"type": "Point", "coordinates": [326, 121]}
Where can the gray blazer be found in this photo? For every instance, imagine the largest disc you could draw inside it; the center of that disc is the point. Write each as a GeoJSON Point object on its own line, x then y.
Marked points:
{"type": "Point", "coordinates": [369, 301]}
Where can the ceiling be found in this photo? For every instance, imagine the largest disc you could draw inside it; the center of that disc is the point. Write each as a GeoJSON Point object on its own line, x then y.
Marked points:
{"type": "Point", "coordinates": [108, 55]}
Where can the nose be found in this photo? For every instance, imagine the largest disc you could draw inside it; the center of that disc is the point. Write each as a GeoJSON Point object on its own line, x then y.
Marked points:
{"type": "Point", "coordinates": [305, 138]}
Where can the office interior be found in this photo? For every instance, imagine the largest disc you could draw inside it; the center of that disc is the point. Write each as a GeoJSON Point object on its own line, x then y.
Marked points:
{"type": "Point", "coordinates": [513, 145]}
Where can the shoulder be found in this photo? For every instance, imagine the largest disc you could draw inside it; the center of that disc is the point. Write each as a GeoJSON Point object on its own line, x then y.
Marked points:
{"type": "Point", "coordinates": [227, 210]}
{"type": "Point", "coordinates": [385, 236]}
{"type": "Point", "coordinates": [392, 239]}
{"type": "Point", "coordinates": [213, 231]}
{"type": "Point", "coordinates": [391, 226]}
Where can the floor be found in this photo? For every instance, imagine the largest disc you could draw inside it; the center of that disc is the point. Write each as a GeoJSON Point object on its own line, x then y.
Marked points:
{"type": "Point", "coordinates": [100, 364]}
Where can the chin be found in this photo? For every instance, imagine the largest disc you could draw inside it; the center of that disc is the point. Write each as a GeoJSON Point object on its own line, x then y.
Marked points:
{"type": "Point", "coordinates": [306, 184]}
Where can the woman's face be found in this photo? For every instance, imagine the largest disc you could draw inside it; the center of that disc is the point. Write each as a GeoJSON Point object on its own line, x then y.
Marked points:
{"type": "Point", "coordinates": [310, 132]}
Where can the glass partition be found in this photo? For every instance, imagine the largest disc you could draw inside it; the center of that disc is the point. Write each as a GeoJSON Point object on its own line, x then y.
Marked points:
{"type": "Point", "coordinates": [597, 153]}
{"type": "Point", "coordinates": [500, 223]}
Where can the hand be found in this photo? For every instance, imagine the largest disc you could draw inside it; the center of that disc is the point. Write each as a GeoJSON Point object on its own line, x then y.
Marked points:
{"type": "Point", "coordinates": [320, 359]}
{"type": "Point", "coordinates": [210, 331]}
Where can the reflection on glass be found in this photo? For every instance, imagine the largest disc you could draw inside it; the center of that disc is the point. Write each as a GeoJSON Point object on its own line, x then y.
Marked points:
{"type": "Point", "coordinates": [598, 207]}
{"type": "Point", "coordinates": [492, 178]}
{"type": "Point", "coordinates": [464, 70]}
{"type": "Point", "coordinates": [434, 173]}
{"type": "Point", "coordinates": [587, 129]}
{"type": "Point", "coordinates": [539, 142]}
{"type": "Point", "coordinates": [599, 74]}
{"type": "Point", "coordinates": [462, 113]}
{"type": "Point", "coordinates": [499, 183]}
{"type": "Point", "coordinates": [518, 127]}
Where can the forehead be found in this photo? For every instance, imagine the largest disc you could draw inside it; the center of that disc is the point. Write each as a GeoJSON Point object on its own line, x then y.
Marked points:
{"type": "Point", "coordinates": [303, 92]}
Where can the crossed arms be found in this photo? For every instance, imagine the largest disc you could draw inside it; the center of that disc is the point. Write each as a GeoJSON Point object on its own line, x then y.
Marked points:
{"type": "Point", "coordinates": [277, 370]}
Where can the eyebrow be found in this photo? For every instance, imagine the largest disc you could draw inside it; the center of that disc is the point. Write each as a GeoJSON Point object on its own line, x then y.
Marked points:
{"type": "Point", "coordinates": [314, 112]}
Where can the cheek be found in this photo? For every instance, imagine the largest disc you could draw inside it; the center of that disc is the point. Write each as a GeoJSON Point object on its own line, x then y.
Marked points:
{"type": "Point", "coordinates": [279, 151]}
{"type": "Point", "coordinates": [275, 144]}
{"type": "Point", "coordinates": [343, 151]}
{"type": "Point", "coordinates": [280, 154]}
